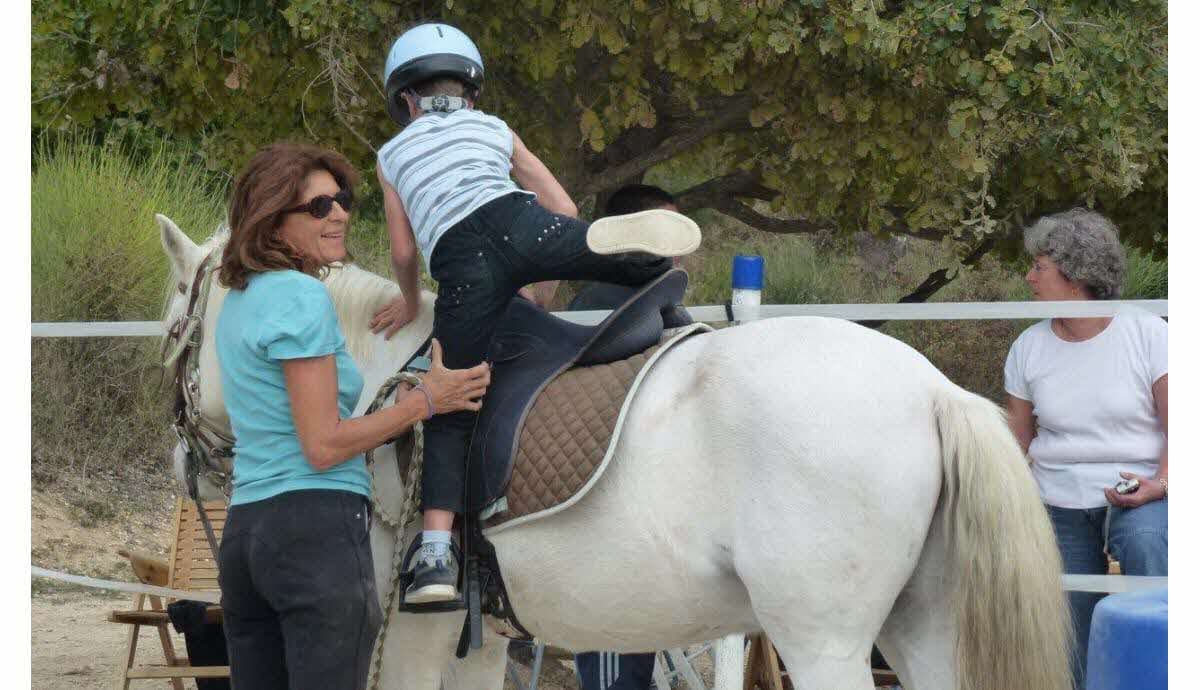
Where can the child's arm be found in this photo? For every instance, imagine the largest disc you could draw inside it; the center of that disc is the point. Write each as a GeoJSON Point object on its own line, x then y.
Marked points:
{"type": "Point", "coordinates": [533, 175]}
{"type": "Point", "coordinates": [404, 309]}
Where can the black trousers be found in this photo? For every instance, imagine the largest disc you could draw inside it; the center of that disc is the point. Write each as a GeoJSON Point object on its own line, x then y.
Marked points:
{"type": "Point", "coordinates": [479, 265]}
{"type": "Point", "coordinates": [613, 671]}
{"type": "Point", "coordinates": [298, 589]}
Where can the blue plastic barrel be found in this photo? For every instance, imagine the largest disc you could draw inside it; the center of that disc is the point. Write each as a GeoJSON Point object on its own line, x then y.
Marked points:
{"type": "Point", "coordinates": [1127, 649]}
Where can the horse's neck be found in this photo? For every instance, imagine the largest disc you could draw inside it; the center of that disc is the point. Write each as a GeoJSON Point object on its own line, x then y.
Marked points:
{"type": "Point", "coordinates": [357, 294]}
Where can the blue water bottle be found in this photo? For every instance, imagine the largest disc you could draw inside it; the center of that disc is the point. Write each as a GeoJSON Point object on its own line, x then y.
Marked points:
{"type": "Point", "coordinates": [747, 286]}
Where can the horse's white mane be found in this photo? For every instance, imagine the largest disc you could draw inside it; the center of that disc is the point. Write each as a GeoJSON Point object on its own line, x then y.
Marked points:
{"type": "Point", "coordinates": [357, 294]}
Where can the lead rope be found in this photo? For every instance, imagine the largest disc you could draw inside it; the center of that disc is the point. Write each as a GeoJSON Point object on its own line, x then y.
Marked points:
{"type": "Point", "coordinates": [408, 511]}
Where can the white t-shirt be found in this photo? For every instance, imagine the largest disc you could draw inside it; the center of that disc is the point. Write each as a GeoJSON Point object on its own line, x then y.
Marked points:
{"type": "Point", "coordinates": [1094, 410]}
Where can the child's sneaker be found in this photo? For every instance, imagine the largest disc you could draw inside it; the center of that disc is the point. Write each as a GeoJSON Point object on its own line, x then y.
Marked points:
{"type": "Point", "coordinates": [435, 575]}
{"type": "Point", "coordinates": [657, 231]}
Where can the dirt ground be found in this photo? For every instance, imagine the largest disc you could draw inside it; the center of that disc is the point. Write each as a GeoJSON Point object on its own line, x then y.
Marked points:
{"type": "Point", "coordinates": [79, 531]}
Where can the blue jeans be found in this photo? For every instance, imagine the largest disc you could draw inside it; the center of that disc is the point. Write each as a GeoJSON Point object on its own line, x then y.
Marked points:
{"type": "Point", "coordinates": [1137, 537]}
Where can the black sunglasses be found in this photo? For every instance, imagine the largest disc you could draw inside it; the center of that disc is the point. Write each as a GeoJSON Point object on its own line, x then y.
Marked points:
{"type": "Point", "coordinates": [320, 206]}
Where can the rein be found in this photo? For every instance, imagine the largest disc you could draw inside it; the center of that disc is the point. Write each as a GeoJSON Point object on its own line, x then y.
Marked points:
{"type": "Point", "coordinates": [408, 510]}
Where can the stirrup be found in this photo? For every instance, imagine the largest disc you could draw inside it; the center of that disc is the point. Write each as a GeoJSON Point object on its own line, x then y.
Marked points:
{"type": "Point", "coordinates": [406, 579]}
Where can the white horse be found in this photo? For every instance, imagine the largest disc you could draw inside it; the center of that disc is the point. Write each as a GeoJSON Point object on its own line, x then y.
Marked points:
{"type": "Point", "coordinates": [804, 477]}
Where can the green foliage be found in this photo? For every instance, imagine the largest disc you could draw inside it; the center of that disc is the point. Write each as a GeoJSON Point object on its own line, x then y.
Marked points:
{"type": "Point", "coordinates": [96, 255]}
{"type": "Point", "coordinates": [1145, 278]}
{"type": "Point", "coordinates": [958, 117]}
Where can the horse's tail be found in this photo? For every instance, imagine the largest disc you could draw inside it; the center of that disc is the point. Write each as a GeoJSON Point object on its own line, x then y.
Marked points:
{"type": "Point", "coordinates": [1012, 619]}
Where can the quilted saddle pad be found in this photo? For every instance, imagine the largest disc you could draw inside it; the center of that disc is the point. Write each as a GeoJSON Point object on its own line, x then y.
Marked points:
{"type": "Point", "coordinates": [568, 432]}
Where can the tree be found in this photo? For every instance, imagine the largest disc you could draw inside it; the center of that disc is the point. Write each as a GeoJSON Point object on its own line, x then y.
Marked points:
{"type": "Point", "coordinates": [952, 120]}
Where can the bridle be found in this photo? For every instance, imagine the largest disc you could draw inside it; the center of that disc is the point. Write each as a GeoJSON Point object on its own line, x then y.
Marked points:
{"type": "Point", "coordinates": [207, 447]}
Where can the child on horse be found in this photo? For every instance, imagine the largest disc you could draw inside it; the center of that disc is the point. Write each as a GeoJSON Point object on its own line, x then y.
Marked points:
{"type": "Point", "coordinates": [448, 191]}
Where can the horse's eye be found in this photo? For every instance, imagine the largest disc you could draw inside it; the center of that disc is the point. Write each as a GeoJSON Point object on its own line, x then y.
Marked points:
{"type": "Point", "coordinates": [182, 287]}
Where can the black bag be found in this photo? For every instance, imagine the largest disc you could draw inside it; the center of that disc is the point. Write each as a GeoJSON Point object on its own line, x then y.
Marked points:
{"type": "Point", "coordinates": [205, 641]}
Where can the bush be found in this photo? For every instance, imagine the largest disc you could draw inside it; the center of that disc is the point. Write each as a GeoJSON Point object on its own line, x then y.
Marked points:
{"type": "Point", "coordinates": [1145, 278]}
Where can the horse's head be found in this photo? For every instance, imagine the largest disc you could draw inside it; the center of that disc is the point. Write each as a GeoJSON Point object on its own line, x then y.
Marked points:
{"type": "Point", "coordinates": [191, 312]}
{"type": "Point", "coordinates": [186, 259]}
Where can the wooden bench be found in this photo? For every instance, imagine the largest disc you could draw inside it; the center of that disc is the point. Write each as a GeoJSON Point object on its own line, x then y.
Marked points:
{"type": "Point", "coordinates": [190, 567]}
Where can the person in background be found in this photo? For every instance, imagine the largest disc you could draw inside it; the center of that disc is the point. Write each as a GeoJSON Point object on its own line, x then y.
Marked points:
{"type": "Point", "coordinates": [610, 670]}
{"type": "Point", "coordinates": [1087, 401]}
{"type": "Point", "coordinates": [631, 198]}
{"type": "Point", "coordinates": [296, 574]}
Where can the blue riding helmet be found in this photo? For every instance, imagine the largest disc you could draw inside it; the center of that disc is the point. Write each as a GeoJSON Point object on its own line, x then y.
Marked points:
{"type": "Point", "coordinates": [427, 51]}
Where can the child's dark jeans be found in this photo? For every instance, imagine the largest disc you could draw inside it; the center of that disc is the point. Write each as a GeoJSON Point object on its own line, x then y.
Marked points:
{"type": "Point", "coordinates": [479, 265]}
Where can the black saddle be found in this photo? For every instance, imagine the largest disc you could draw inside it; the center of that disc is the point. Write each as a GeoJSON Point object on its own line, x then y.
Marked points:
{"type": "Point", "coordinates": [531, 347]}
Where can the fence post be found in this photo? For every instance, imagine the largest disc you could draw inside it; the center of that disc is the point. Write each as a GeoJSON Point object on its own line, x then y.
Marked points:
{"type": "Point", "coordinates": [747, 287]}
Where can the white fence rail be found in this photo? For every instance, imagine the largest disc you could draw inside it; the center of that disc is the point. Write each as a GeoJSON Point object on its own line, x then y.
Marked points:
{"type": "Point", "coordinates": [930, 311]}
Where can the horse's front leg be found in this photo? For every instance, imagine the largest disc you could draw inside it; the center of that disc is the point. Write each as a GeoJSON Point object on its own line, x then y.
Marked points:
{"type": "Point", "coordinates": [417, 648]}
{"type": "Point", "coordinates": [483, 669]}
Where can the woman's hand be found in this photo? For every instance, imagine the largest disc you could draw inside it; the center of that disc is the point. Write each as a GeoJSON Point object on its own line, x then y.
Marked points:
{"type": "Point", "coordinates": [455, 389]}
{"type": "Point", "coordinates": [393, 316]}
{"type": "Point", "coordinates": [1148, 490]}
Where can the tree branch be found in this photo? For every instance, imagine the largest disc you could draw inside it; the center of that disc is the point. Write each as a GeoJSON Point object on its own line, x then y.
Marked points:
{"type": "Point", "coordinates": [938, 280]}
{"type": "Point", "coordinates": [719, 193]}
{"type": "Point", "coordinates": [781, 226]}
{"type": "Point", "coordinates": [670, 147]}
{"type": "Point", "coordinates": [739, 183]}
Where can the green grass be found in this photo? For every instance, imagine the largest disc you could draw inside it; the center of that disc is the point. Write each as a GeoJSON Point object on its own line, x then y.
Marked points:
{"type": "Point", "coordinates": [96, 255]}
{"type": "Point", "coordinates": [1145, 278]}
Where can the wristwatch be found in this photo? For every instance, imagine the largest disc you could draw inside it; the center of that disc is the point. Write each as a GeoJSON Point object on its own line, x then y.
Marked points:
{"type": "Point", "coordinates": [1162, 481]}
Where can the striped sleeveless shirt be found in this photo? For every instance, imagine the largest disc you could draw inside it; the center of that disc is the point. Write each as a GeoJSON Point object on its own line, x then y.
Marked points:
{"type": "Point", "coordinates": [446, 165]}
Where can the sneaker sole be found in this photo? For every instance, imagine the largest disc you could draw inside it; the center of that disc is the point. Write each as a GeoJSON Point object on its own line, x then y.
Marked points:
{"type": "Point", "coordinates": [432, 593]}
{"type": "Point", "coordinates": [657, 231]}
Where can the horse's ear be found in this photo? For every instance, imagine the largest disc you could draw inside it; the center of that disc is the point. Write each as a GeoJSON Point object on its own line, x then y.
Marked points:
{"type": "Point", "coordinates": [180, 249]}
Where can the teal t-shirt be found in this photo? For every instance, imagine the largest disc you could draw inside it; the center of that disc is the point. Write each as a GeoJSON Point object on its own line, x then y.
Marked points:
{"type": "Point", "coordinates": [280, 315]}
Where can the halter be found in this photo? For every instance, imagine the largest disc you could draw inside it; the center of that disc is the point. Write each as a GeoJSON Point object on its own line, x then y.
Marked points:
{"type": "Point", "coordinates": [208, 448]}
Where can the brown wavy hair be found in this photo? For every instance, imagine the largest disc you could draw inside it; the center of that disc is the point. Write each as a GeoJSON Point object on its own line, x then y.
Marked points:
{"type": "Point", "coordinates": [271, 182]}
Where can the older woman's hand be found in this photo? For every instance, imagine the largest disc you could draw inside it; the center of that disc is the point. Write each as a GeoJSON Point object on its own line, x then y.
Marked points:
{"type": "Point", "coordinates": [1148, 490]}
{"type": "Point", "coordinates": [455, 389]}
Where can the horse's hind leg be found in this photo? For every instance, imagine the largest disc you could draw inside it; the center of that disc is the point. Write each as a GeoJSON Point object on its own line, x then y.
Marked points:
{"type": "Point", "coordinates": [917, 639]}
{"type": "Point", "coordinates": [823, 633]}
{"type": "Point", "coordinates": [815, 661]}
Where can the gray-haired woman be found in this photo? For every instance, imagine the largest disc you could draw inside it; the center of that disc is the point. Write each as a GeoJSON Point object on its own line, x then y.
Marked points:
{"type": "Point", "coordinates": [1087, 400]}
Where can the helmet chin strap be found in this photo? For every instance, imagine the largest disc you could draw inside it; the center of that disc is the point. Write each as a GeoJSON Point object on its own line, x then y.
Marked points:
{"type": "Point", "coordinates": [441, 103]}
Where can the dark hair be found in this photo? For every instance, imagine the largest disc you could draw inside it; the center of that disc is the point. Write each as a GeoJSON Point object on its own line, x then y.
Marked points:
{"type": "Point", "coordinates": [443, 86]}
{"type": "Point", "coordinates": [271, 182]}
{"type": "Point", "coordinates": [637, 197]}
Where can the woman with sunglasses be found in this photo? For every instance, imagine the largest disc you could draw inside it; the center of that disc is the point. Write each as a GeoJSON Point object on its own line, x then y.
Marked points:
{"type": "Point", "coordinates": [296, 574]}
